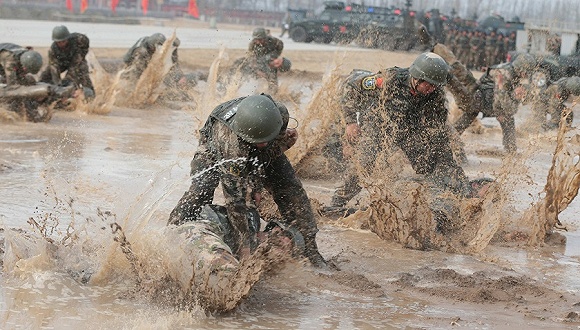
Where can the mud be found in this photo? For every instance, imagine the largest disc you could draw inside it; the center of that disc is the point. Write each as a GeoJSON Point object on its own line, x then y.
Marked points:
{"type": "Point", "coordinates": [484, 274]}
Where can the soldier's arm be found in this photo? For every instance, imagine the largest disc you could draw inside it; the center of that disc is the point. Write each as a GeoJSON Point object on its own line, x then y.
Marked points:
{"type": "Point", "coordinates": [83, 44]}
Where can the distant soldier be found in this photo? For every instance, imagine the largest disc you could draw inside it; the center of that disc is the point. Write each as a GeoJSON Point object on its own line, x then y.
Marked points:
{"type": "Point", "coordinates": [474, 50]}
{"type": "Point", "coordinates": [463, 46]}
{"type": "Point", "coordinates": [285, 24]}
{"type": "Point", "coordinates": [67, 53]}
{"type": "Point", "coordinates": [500, 50]}
{"type": "Point", "coordinates": [265, 57]}
{"type": "Point", "coordinates": [139, 55]}
{"type": "Point", "coordinates": [490, 41]}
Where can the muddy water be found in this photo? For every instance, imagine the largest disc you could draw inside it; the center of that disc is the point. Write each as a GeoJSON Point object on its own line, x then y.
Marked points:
{"type": "Point", "coordinates": [79, 173]}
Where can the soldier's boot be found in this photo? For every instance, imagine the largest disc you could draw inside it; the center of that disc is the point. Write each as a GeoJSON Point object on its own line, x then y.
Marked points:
{"type": "Point", "coordinates": [311, 252]}
{"type": "Point", "coordinates": [425, 38]}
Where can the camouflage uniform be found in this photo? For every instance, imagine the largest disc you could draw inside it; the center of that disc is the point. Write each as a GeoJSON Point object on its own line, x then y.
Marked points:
{"type": "Point", "coordinates": [385, 107]}
{"type": "Point", "coordinates": [13, 74]}
{"type": "Point", "coordinates": [137, 58]}
{"type": "Point", "coordinates": [261, 52]}
{"type": "Point", "coordinates": [70, 58]}
{"type": "Point", "coordinates": [550, 100]}
{"type": "Point", "coordinates": [490, 41]}
{"type": "Point", "coordinates": [484, 96]}
{"type": "Point", "coordinates": [242, 169]}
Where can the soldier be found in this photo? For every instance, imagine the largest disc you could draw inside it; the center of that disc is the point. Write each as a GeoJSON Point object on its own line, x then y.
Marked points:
{"type": "Point", "coordinates": [242, 146]}
{"type": "Point", "coordinates": [496, 94]}
{"type": "Point", "coordinates": [405, 106]}
{"type": "Point", "coordinates": [490, 41]}
{"type": "Point", "coordinates": [286, 21]}
{"type": "Point", "coordinates": [463, 46]}
{"type": "Point", "coordinates": [17, 66]}
{"type": "Point", "coordinates": [67, 53]}
{"type": "Point", "coordinates": [551, 100]}
{"type": "Point", "coordinates": [139, 55]}
{"type": "Point", "coordinates": [500, 50]}
{"type": "Point", "coordinates": [264, 58]}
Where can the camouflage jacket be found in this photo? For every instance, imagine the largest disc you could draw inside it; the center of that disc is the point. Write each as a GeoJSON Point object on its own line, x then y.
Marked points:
{"type": "Point", "coordinates": [266, 49]}
{"type": "Point", "coordinates": [10, 65]}
{"type": "Point", "coordinates": [70, 56]}
{"type": "Point", "coordinates": [417, 124]}
{"type": "Point", "coordinates": [240, 164]}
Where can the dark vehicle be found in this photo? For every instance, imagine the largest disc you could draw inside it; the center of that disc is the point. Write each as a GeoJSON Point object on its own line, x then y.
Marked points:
{"type": "Point", "coordinates": [374, 27]}
{"type": "Point", "coordinates": [498, 24]}
{"type": "Point", "coordinates": [333, 21]}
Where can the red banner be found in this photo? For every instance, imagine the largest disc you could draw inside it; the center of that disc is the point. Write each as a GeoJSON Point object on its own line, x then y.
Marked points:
{"type": "Point", "coordinates": [84, 5]}
{"type": "Point", "coordinates": [69, 5]}
{"type": "Point", "coordinates": [144, 5]}
{"type": "Point", "coordinates": [192, 10]}
{"type": "Point", "coordinates": [114, 4]}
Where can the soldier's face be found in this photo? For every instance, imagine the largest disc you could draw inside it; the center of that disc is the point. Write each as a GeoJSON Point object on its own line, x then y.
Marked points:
{"type": "Point", "coordinates": [62, 44]}
{"type": "Point", "coordinates": [425, 88]}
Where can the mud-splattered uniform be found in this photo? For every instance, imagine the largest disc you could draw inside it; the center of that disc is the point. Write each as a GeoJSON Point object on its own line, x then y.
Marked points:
{"type": "Point", "coordinates": [10, 67]}
{"type": "Point", "coordinates": [70, 58]}
{"type": "Point", "coordinates": [492, 95]}
{"type": "Point", "coordinates": [386, 109]}
{"type": "Point", "coordinates": [242, 169]}
{"type": "Point", "coordinates": [137, 58]}
{"type": "Point", "coordinates": [550, 100]}
{"type": "Point", "coordinates": [261, 52]}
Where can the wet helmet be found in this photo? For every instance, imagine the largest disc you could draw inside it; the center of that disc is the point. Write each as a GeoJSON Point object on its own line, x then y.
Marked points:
{"type": "Point", "coordinates": [430, 67]}
{"type": "Point", "coordinates": [156, 39]}
{"type": "Point", "coordinates": [523, 63]}
{"type": "Point", "coordinates": [286, 65]}
{"type": "Point", "coordinates": [259, 33]}
{"type": "Point", "coordinates": [60, 33]}
{"type": "Point", "coordinates": [176, 42]}
{"type": "Point", "coordinates": [257, 119]}
{"type": "Point", "coordinates": [572, 85]}
{"type": "Point", "coordinates": [31, 61]}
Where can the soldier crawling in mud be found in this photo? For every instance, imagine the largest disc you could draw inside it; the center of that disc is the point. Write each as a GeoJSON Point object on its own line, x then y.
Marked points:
{"type": "Point", "coordinates": [17, 66]}
{"type": "Point", "coordinates": [242, 145]}
{"type": "Point", "coordinates": [497, 93]}
{"type": "Point", "coordinates": [264, 59]}
{"type": "Point", "coordinates": [139, 55]}
{"type": "Point", "coordinates": [406, 108]}
{"type": "Point", "coordinates": [67, 53]}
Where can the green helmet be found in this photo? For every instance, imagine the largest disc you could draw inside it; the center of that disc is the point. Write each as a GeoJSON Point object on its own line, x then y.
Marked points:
{"type": "Point", "coordinates": [156, 39]}
{"type": "Point", "coordinates": [31, 61]}
{"type": "Point", "coordinates": [286, 65]}
{"type": "Point", "coordinates": [257, 119]}
{"type": "Point", "coordinates": [60, 33]}
{"type": "Point", "coordinates": [572, 84]}
{"type": "Point", "coordinates": [430, 67]}
{"type": "Point", "coordinates": [523, 63]}
{"type": "Point", "coordinates": [176, 42]}
{"type": "Point", "coordinates": [259, 33]}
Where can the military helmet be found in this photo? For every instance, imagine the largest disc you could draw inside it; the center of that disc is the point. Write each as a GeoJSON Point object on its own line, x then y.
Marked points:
{"type": "Point", "coordinates": [523, 63]}
{"type": "Point", "coordinates": [156, 39]}
{"type": "Point", "coordinates": [257, 119]}
{"type": "Point", "coordinates": [430, 67]}
{"type": "Point", "coordinates": [259, 33]}
{"type": "Point", "coordinates": [286, 65]}
{"type": "Point", "coordinates": [572, 84]}
{"type": "Point", "coordinates": [60, 33]}
{"type": "Point", "coordinates": [176, 42]}
{"type": "Point", "coordinates": [31, 61]}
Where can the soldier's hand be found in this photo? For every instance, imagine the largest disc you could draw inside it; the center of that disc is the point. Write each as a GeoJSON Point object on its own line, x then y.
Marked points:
{"type": "Point", "coordinates": [291, 137]}
{"type": "Point", "coordinates": [352, 132]}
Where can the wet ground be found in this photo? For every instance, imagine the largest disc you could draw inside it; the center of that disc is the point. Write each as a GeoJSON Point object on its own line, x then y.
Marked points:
{"type": "Point", "coordinates": [131, 166]}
